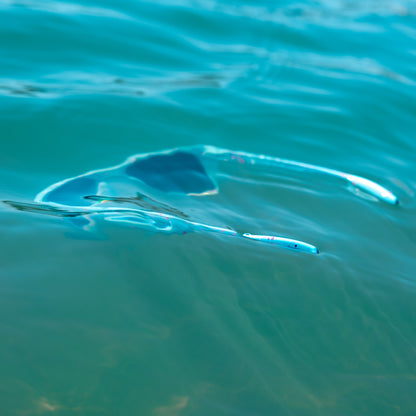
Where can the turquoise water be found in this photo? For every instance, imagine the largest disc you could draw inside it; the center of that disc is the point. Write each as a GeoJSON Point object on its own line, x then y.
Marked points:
{"type": "Point", "coordinates": [130, 322]}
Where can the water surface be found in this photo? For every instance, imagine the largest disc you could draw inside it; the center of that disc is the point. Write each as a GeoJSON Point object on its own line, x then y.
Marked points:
{"type": "Point", "coordinates": [140, 323]}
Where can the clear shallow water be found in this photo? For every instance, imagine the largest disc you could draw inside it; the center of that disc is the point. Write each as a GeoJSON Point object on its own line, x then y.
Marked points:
{"type": "Point", "coordinates": [143, 323]}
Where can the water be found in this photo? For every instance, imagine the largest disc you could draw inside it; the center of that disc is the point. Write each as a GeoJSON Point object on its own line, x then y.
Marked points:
{"type": "Point", "coordinates": [141, 323]}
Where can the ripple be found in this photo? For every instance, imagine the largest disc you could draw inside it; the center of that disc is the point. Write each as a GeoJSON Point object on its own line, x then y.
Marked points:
{"type": "Point", "coordinates": [64, 8]}
{"type": "Point", "coordinates": [344, 67]}
{"type": "Point", "coordinates": [69, 84]}
{"type": "Point", "coordinates": [326, 13]}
